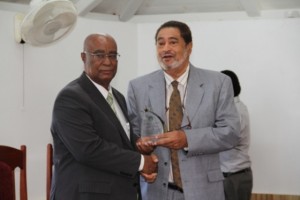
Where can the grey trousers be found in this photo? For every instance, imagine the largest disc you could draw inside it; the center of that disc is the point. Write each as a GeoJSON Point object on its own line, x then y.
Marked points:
{"type": "Point", "coordinates": [238, 186]}
{"type": "Point", "coordinates": [175, 195]}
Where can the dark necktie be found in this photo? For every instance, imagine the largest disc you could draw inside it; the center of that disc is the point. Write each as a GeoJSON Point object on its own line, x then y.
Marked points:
{"type": "Point", "coordinates": [175, 118]}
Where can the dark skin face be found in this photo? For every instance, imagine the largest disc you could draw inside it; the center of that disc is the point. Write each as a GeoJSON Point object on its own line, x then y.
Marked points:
{"type": "Point", "coordinates": [100, 71]}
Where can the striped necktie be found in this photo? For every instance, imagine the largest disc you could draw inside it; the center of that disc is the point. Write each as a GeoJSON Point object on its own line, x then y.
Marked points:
{"type": "Point", "coordinates": [110, 101]}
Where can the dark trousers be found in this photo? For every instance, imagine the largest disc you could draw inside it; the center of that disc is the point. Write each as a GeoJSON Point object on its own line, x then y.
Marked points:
{"type": "Point", "coordinates": [238, 186]}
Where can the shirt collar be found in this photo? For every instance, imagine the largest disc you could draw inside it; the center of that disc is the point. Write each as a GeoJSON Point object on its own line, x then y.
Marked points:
{"type": "Point", "coordinates": [101, 89]}
{"type": "Point", "coordinates": [182, 80]}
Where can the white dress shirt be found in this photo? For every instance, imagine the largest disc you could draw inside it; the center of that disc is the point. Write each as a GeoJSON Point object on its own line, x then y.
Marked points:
{"type": "Point", "coordinates": [237, 158]}
{"type": "Point", "coordinates": [182, 85]}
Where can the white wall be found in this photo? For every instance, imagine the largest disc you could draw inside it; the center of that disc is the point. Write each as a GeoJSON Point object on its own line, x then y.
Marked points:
{"type": "Point", "coordinates": [263, 52]}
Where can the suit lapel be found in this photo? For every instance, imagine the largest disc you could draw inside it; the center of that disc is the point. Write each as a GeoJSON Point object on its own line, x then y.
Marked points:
{"type": "Point", "coordinates": [100, 101]}
{"type": "Point", "coordinates": [157, 92]}
{"type": "Point", "coordinates": [157, 102]}
{"type": "Point", "coordinates": [123, 107]}
{"type": "Point", "coordinates": [93, 93]}
{"type": "Point", "coordinates": [195, 93]}
{"type": "Point", "coordinates": [120, 102]}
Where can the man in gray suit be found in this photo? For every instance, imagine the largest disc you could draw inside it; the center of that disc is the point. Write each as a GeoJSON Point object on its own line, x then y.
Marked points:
{"type": "Point", "coordinates": [95, 156]}
{"type": "Point", "coordinates": [210, 122]}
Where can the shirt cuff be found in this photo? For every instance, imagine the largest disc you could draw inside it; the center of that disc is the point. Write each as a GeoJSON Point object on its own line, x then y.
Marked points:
{"type": "Point", "coordinates": [142, 163]}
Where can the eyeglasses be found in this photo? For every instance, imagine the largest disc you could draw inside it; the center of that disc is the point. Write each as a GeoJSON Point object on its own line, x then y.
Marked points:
{"type": "Point", "coordinates": [113, 57]}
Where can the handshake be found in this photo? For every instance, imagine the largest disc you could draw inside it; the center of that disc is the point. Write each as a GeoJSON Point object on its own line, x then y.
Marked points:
{"type": "Point", "coordinates": [172, 140]}
{"type": "Point", "coordinates": [149, 171]}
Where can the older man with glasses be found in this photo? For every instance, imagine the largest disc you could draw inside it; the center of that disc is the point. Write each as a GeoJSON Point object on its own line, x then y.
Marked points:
{"type": "Point", "coordinates": [95, 155]}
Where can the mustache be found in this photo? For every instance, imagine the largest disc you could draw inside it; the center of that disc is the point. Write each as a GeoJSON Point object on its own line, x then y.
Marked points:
{"type": "Point", "coordinates": [166, 54]}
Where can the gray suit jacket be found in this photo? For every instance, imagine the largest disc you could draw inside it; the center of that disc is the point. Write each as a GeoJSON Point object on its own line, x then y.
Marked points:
{"type": "Point", "coordinates": [215, 128]}
{"type": "Point", "coordinates": [93, 157]}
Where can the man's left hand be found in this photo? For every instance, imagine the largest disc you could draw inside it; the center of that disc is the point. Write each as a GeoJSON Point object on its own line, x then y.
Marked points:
{"type": "Point", "coordinates": [173, 140]}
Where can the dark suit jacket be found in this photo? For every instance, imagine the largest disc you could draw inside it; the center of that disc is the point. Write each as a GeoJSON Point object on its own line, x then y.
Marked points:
{"type": "Point", "coordinates": [93, 157]}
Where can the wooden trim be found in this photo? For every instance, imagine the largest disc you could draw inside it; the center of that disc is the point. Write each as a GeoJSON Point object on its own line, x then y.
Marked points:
{"type": "Point", "coordinates": [49, 169]}
{"type": "Point", "coordinates": [274, 197]}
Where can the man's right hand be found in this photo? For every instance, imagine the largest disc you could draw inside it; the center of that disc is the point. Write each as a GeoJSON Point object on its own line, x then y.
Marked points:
{"type": "Point", "coordinates": [150, 164]}
{"type": "Point", "coordinates": [145, 145]}
{"type": "Point", "coordinates": [150, 178]}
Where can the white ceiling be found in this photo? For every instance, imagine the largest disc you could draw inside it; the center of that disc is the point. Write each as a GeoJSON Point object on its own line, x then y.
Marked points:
{"type": "Point", "coordinates": [126, 9]}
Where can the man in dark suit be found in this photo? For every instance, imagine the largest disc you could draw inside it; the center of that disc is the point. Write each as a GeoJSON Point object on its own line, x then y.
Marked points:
{"type": "Point", "coordinates": [95, 156]}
